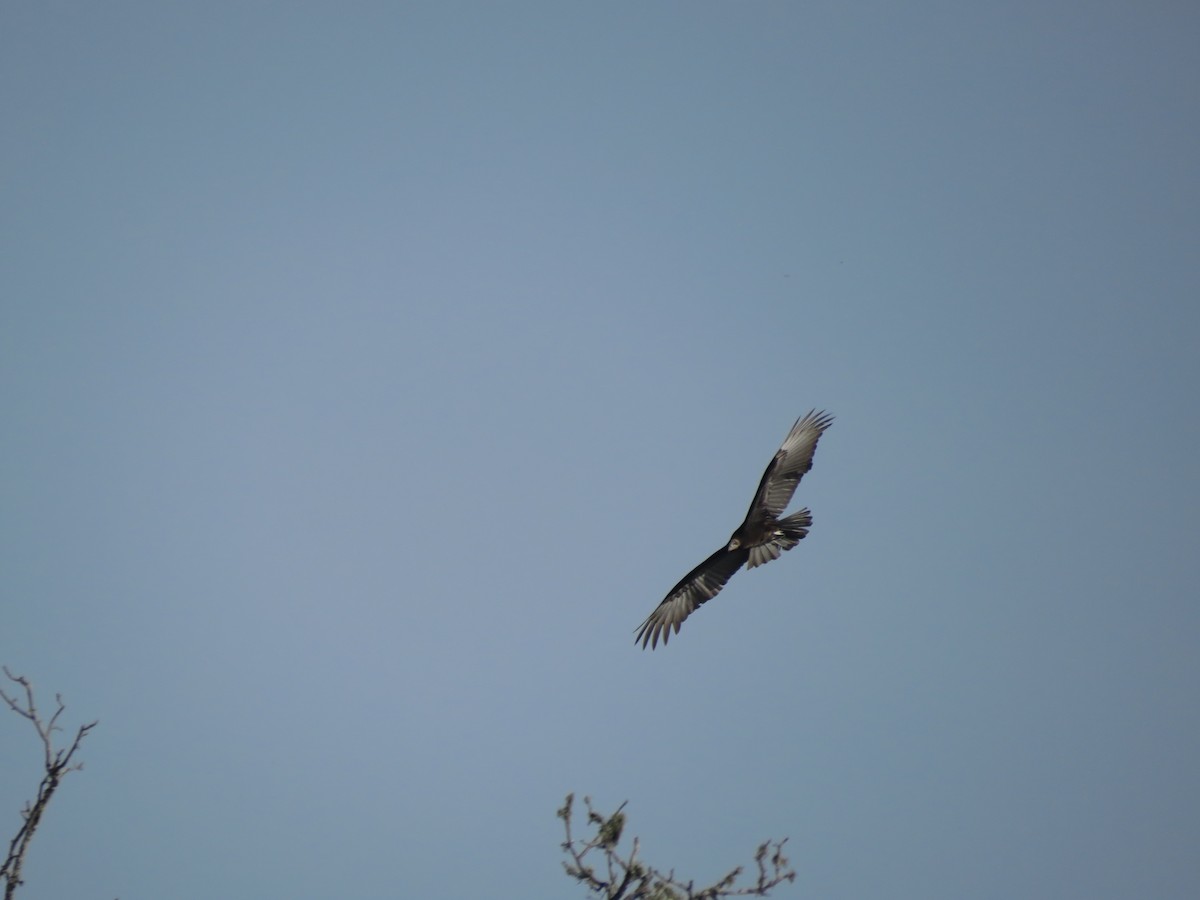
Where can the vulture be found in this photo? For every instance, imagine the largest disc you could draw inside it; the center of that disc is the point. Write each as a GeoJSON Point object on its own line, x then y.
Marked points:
{"type": "Point", "coordinates": [762, 537]}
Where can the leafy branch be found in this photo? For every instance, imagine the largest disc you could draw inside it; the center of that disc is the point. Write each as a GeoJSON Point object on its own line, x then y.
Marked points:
{"type": "Point", "coordinates": [618, 877]}
{"type": "Point", "coordinates": [56, 763]}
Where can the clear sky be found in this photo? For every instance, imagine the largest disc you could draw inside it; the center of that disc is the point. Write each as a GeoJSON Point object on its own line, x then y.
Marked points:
{"type": "Point", "coordinates": [370, 371]}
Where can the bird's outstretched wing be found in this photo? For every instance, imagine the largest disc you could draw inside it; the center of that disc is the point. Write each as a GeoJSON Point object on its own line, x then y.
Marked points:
{"type": "Point", "coordinates": [791, 461]}
{"type": "Point", "coordinates": [702, 583]}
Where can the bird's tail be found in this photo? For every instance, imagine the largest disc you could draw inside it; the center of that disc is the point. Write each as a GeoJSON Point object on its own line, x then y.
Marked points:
{"type": "Point", "coordinates": [788, 533]}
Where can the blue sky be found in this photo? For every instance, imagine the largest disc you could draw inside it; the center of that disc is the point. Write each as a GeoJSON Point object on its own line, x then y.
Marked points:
{"type": "Point", "coordinates": [370, 372]}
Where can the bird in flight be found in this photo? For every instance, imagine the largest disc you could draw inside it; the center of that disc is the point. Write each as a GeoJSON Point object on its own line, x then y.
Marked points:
{"type": "Point", "coordinates": [762, 537]}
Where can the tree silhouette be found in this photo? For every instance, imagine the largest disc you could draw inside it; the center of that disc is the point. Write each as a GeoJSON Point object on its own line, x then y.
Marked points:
{"type": "Point", "coordinates": [595, 861]}
{"type": "Point", "coordinates": [618, 877]}
{"type": "Point", "coordinates": [57, 763]}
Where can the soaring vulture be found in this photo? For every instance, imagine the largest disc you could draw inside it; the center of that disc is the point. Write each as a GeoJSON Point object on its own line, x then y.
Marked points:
{"type": "Point", "coordinates": [759, 539]}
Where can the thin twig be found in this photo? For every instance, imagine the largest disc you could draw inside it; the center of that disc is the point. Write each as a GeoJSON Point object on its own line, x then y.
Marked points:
{"type": "Point", "coordinates": [629, 879]}
{"type": "Point", "coordinates": [57, 763]}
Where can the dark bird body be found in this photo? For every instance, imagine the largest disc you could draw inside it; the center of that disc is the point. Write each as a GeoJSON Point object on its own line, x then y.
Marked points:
{"type": "Point", "coordinates": [762, 537]}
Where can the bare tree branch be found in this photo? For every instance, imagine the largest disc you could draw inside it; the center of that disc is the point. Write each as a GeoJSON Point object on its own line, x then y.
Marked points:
{"type": "Point", "coordinates": [57, 763]}
{"type": "Point", "coordinates": [626, 878]}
